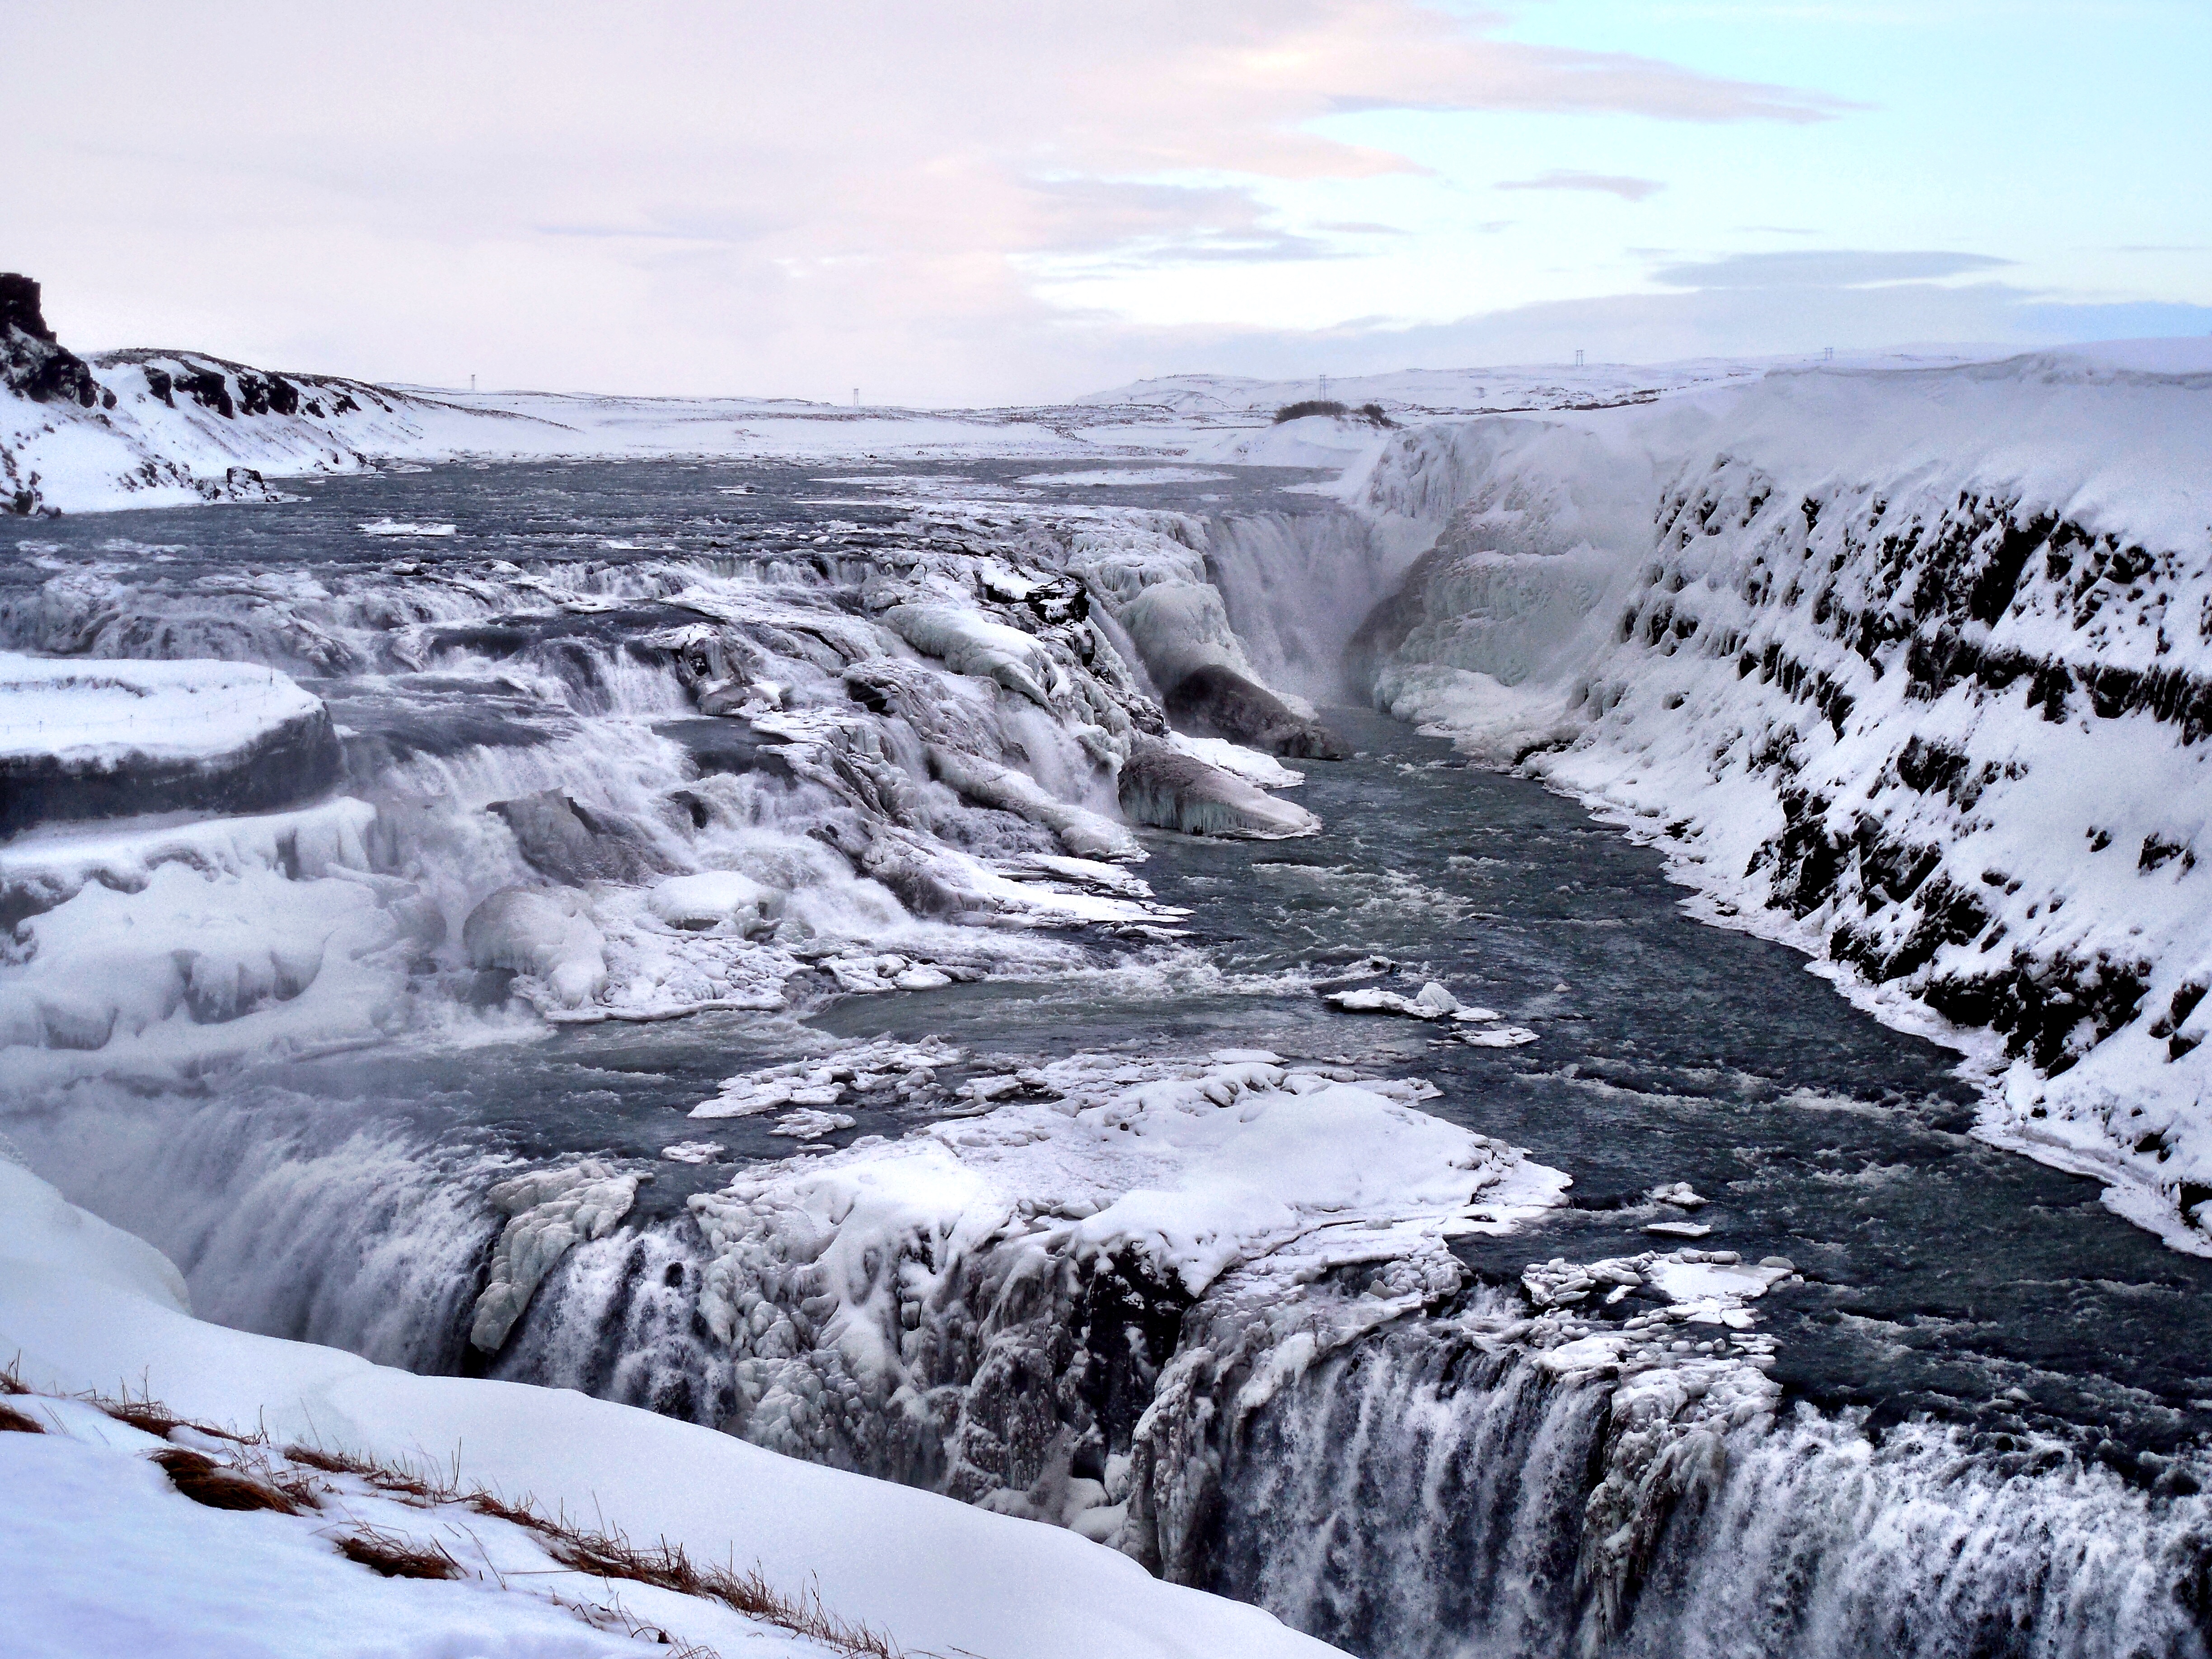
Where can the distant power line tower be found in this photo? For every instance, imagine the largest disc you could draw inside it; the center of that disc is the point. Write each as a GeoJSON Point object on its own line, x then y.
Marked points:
{"type": "Point", "coordinates": [1578, 357]}
{"type": "Point", "coordinates": [1324, 388]}
{"type": "Point", "coordinates": [1827, 353]}
{"type": "Point", "coordinates": [856, 397]}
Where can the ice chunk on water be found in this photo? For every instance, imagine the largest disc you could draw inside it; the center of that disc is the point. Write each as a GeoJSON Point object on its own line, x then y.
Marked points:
{"type": "Point", "coordinates": [1499, 1037]}
{"type": "Point", "coordinates": [809, 1124]}
{"type": "Point", "coordinates": [693, 1151]}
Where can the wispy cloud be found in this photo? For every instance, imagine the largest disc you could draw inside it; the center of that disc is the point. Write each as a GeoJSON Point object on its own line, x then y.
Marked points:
{"type": "Point", "coordinates": [1610, 184]}
{"type": "Point", "coordinates": [1822, 268]}
{"type": "Point", "coordinates": [763, 197]}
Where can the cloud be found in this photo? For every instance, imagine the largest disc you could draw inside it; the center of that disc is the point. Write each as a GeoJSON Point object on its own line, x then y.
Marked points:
{"type": "Point", "coordinates": [1765, 321]}
{"type": "Point", "coordinates": [705, 195]}
{"type": "Point", "coordinates": [1821, 268]}
{"type": "Point", "coordinates": [1611, 184]}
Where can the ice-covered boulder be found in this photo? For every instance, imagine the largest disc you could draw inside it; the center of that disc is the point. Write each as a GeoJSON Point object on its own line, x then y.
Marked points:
{"type": "Point", "coordinates": [1162, 786]}
{"type": "Point", "coordinates": [547, 933]}
{"type": "Point", "coordinates": [1085, 834]}
{"type": "Point", "coordinates": [561, 837]}
{"type": "Point", "coordinates": [1222, 703]}
{"type": "Point", "coordinates": [969, 642]}
{"type": "Point", "coordinates": [83, 739]}
{"type": "Point", "coordinates": [716, 898]}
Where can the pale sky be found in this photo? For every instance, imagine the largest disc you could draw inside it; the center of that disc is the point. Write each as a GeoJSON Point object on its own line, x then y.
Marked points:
{"type": "Point", "coordinates": [962, 202]}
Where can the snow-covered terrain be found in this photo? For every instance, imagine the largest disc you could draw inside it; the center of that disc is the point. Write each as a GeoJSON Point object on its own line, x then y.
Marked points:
{"type": "Point", "coordinates": [795, 952]}
{"type": "Point", "coordinates": [163, 428]}
{"type": "Point", "coordinates": [1909, 668]}
{"type": "Point", "coordinates": [108, 1555]}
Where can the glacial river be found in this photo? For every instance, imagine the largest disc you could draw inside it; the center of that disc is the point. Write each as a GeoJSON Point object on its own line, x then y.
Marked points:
{"type": "Point", "coordinates": [1944, 1283]}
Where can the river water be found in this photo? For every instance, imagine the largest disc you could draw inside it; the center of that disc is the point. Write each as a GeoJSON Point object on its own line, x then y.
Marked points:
{"type": "Point", "coordinates": [1978, 1317]}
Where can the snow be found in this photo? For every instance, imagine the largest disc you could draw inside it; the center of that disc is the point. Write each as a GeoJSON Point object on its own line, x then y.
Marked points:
{"type": "Point", "coordinates": [108, 715]}
{"type": "Point", "coordinates": [85, 1308]}
{"type": "Point", "coordinates": [546, 933]}
{"type": "Point", "coordinates": [1263, 771]}
{"type": "Point", "coordinates": [402, 527]}
{"type": "Point", "coordinates": [1121, 476]}
{"type": "Point", "coordinates": [1197, 1165]}
{"type": "Point", "coordinates": [1900, 665]}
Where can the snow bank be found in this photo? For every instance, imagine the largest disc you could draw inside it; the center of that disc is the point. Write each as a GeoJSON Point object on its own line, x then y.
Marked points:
{"type": "Point", "coordinates": [155, 954]}
{"type": "Point", "coordinates": [85, 1311]}
{"type": "Point", "coordinates": [82, 739]}
{"type": "Point", "coordinates": [1911, 666]}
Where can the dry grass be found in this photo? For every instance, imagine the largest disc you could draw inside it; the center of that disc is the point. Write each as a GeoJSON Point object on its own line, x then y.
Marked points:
{"type": "Point", "coordinates": [13, 1422]}
{"type": "Point", "coordinates": [201, 1479]}
{"type": "Point", "coordinates": [398, 1558]}
{"type": "Point", "coordinates": [608, 1556]}
{"type": "Point", "coordinates": [665, 1566]}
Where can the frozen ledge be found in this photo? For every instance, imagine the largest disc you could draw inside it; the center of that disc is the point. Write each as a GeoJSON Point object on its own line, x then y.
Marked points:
{"type": "Point", "coordinates": [94, 739]}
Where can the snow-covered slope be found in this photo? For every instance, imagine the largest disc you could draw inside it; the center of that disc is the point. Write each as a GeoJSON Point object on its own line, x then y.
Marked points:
{"type": "Point", "coordinates": [84, 1306]}
{"type": "Point", "coordinates": [167, 428]}
{"type": "Point", "coordinates": [1912, 669]}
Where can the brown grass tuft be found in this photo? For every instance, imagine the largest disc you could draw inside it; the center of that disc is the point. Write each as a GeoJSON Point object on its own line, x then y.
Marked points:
{"type": "Point", "coordinates": [196, 1476]}
{"type": "Point", "coordinates": [13, 1422]}
{"type": "Point", "coordinates": [396, 1558]}
{"type": "Point", "coordinates": [666, 1567]}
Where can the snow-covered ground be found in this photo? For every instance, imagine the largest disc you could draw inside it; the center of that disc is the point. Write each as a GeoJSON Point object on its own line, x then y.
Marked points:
{"type": "Point", "coordinates": [166, 428]}
{"type": "Point", "coordinates": [1912, 668]}
{"type": "Point", "coordinates": [104, 1559]}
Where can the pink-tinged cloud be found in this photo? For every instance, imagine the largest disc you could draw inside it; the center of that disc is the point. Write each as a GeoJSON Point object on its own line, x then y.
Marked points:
{"type": "Point", "coordinates": [701, 196]}
{"type": "Point", "coordinates": [1609, 183]}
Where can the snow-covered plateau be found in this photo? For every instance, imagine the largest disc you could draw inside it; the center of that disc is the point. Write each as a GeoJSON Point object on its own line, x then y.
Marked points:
{"type": "Point", "coordinates": [865, 997]}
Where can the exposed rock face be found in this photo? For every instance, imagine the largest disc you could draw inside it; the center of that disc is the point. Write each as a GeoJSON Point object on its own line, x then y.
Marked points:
{"type": "Point", "coordinates": [108, 739]}
{"type": "Point", "coordinates": [1217, 702]}
{"type": "Point", "coordinates": [31, 361]}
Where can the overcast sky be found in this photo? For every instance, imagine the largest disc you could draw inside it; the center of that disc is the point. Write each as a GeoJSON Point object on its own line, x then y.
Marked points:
{"type": "Point", "coordinates": [962, 202]}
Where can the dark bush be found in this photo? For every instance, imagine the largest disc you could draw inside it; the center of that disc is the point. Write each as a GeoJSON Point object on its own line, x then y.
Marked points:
{"type": "Point", "coordinates": [1371, 413]}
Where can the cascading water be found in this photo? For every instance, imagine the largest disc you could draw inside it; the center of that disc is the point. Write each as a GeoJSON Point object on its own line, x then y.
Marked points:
{"type": "Point", "coordinates": [1386, 1447]}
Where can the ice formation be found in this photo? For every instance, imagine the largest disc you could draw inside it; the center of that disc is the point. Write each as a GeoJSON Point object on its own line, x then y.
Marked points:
{"type": "Point", "coordinates": [986, 1305]}
{"type": "Point", "coordinates": [92, 740]}
{"type": "Point", "coordinates": [549, 1211]}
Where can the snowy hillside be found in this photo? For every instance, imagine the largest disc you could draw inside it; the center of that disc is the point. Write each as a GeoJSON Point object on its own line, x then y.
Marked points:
{"type": "Point", "coordinates": [1912, 669]}
{"type": "Point", "coordinates": [368, 1511]}
{"type": "Point", "coordinates": [164, 428]}
{"type": "Point", "coordinates": [167, 428]}
{"type": "Point", "coordinates": [1421, 394]}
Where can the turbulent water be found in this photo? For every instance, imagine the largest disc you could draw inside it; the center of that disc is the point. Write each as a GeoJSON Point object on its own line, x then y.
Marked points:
{"type": "Point", "coordinates": [1995, 1397]}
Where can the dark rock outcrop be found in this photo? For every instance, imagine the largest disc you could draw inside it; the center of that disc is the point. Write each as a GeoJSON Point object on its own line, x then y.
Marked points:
{"type": "Point", "coordinates": [291, 763]}
{"type": "Point", "coordinates": [31, 361]}
{"type": "Point", "coordinates": [1217, 702]}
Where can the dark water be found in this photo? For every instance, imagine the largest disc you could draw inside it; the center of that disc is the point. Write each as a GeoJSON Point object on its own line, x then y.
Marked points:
{"type": "Point", "coordinates": [1942, 1276]}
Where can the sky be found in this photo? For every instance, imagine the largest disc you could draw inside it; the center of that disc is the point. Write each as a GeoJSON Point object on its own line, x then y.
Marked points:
{"type": "Point", "coordinates": [964, 202]}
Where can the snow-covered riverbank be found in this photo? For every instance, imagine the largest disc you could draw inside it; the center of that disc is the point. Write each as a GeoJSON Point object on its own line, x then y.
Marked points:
{"type": "Point", "coordinates": [1910, 669]}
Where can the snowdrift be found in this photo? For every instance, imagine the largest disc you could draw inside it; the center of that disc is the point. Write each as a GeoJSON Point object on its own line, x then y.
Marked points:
{"type": "Point", "coordinates": [1910, 669]}
{"type": "Point", "coordinates": [85, 1307]}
